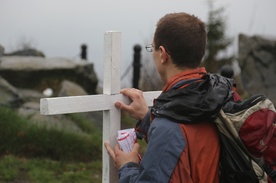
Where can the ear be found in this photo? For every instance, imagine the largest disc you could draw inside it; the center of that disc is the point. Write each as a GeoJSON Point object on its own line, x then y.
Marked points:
{"type": "Point", "coordinates": [163, 54]}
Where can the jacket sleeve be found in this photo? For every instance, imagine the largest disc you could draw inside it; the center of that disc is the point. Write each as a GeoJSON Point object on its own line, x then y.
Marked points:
{"type": "Point", "coordinates": [142, 127]}
{"type": "Point", "coordinates": [165, 145]}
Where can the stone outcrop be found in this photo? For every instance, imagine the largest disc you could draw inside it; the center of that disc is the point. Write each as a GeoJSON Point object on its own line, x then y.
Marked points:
{"type": "Point", "coordinates": [257, 59]}
{"type": "Point", "coordinates": [26, 103]}
{"type": "Point", "coordinates": [70, 89]}
{"type": "Point", "coordinates": [24, 80]}
{"type": "Point", "coordinates": [39, 73]}
{"type": "Point", "coordinates": [9, 95]}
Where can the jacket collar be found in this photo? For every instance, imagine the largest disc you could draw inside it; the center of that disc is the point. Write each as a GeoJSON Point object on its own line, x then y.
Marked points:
{"type": "Point", "coordinates": [186, 75]}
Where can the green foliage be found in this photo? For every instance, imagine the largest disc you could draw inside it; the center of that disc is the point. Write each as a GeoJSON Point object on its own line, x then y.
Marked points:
{"type": "Point", "coordinates": [32, 153]}
{"type": "Point", "coordinates": [25, 139]}
{"type": "Point", "coordinates": [217, 41]}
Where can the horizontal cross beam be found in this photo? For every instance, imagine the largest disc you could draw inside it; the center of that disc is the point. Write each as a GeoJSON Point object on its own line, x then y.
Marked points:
{"type": "Point", "coordinates": [87, 103]}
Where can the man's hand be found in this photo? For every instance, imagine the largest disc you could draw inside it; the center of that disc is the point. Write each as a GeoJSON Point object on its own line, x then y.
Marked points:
{"type": "Point", "coordinates": [138, 107]}
{"type": "Point", "coordinates": [119, 157]}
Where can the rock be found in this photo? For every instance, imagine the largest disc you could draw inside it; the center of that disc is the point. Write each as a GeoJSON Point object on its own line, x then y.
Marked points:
{"type": "Point", "coordinates": [39, 73]}
{"type": "Point", "coordinates": [257, 59]}
{"type": "Point", "coordinates": [59, 122]}
{"type": "Point", "coordinates": [70, 89]}
{"type": "Point", "coordinates": [27, 95]}
{"type": "Point", "coordinates": [27, 52]}
{"type": "Point", "coordinates": [26, 101]}
{"type": "Point", "coordinates": [9, 95]}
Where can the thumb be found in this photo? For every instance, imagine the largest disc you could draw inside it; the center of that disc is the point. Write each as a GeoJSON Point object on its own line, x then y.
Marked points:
{"type": "Point", "coordinates": [109, 150]}
{"type": "Point", "coordinates": [121, 105]}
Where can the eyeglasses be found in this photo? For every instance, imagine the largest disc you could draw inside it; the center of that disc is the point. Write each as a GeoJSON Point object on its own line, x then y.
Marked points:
{"type": "Point", "coordinates": [149, 48]}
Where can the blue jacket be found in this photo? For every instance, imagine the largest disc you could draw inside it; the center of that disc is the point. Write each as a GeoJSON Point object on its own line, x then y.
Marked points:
{"type": "Point", "coordinates": [182, 145]}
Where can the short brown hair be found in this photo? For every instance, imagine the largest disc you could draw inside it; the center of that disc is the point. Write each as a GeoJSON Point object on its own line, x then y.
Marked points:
{"type": "Point", "coordinates": [184, 38]}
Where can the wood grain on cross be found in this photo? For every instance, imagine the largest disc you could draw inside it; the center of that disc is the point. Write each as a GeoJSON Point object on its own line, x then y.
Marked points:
{"type": "Point", "coordinates": [104, 102]}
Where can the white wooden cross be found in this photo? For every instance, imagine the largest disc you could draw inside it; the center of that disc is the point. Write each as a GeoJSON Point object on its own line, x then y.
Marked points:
{"type": "Point", "coordinates": [104, 102]}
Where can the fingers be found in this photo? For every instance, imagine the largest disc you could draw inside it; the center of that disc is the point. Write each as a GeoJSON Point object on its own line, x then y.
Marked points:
{"type": "Point", "coordinates": [132, 93]}
{"type": "Point", "coordinates": [122, 106]}
{"type": "Point", "coordinates": [117, 148]}
{"type": "Point", "coordinates": [136, 147]}
{"type": "Point", "coordinates": [138, 107]}
{"type": "Point", "coordinates": [120, 158]}
{"type": "Point", "coordinates": [109, 150]}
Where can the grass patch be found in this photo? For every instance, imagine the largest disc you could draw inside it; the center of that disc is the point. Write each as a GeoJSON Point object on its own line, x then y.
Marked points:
{"type": "Point", "coordinates": [36, 154]}
{"type": "Point", "coordinates": [14, 169]}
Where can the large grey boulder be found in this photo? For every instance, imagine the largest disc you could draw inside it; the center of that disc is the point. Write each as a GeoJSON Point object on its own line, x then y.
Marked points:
{"type": "Point", "coordinates": [59, 122]}
{"type": "Point", "coordinates": [25, 101]}
{"type": "Point", "coordinates": [39, 73]}
{"type": "Point", "coordinates": [257, 59]}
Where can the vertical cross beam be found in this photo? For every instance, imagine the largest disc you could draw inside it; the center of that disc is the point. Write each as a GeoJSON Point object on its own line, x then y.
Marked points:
{"type": "Point", "coordinates": [111, 86]}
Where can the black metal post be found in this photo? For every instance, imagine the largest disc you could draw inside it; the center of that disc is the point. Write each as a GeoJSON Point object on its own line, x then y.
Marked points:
{"type": "Point", "coordinates": [227, 71]}
{"type": "Point", "coordinates": [136, 65]}
{"type": "Point", "coordinates": [83, 52]}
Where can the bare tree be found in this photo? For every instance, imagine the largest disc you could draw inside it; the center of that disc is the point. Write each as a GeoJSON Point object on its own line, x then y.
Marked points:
{"type": "Point", "coordinates": [25, 43]}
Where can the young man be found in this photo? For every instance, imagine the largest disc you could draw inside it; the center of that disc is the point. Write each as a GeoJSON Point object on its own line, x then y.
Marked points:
{"type": "Point", "coordinates": [183, 145]}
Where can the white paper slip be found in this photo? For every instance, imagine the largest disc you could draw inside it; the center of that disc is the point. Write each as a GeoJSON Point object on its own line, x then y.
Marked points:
{"type": "Point", "coordinates": [126, 139]}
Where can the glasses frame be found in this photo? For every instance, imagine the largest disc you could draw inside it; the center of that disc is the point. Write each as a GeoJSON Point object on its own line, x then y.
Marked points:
{"type": "Point", "coordinates": [149, 47]}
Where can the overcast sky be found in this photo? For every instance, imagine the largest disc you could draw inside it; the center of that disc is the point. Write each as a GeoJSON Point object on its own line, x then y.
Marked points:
{"type": "Point", "coordinates": [59, 27]}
